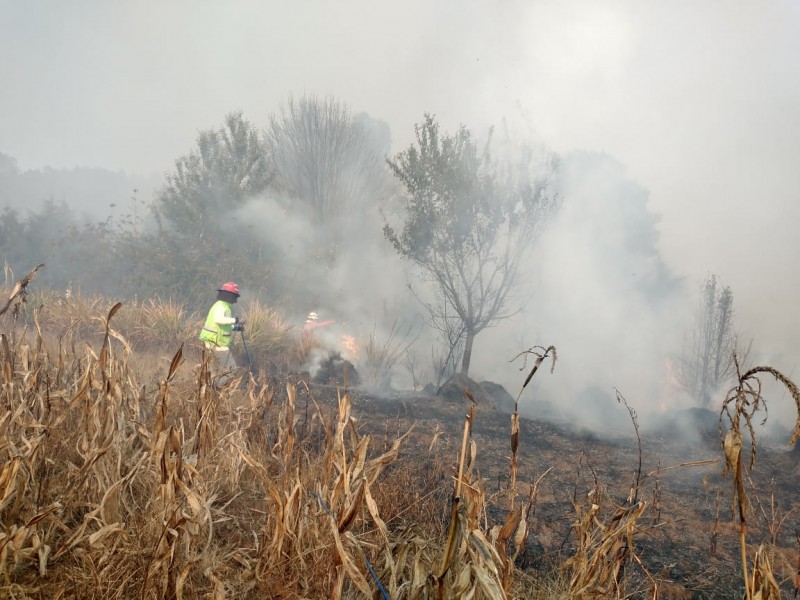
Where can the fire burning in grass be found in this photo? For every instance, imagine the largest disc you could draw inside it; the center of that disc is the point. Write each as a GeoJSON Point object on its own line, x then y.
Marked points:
{"type": "Point", "coordinates": [351, 348]}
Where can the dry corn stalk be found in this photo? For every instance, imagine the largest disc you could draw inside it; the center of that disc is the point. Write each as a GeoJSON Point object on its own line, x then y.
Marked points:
{"type": "Point", "coordinates": [18, 292]}
{"type": "Point", "coordinates": [602, 550]}
{"type": "Point", "coordinates": [469, 562]}
{"type": "Point", "coordinates": [741, 404]}
{"type": "Point", "coordinates": [516, 523]}
{"type": "Point", "coordinates": [315, 507]}
{"type": "Point", "coordinates": [541, 353]}
{"type": "Point", "coordinates": [763, 584]}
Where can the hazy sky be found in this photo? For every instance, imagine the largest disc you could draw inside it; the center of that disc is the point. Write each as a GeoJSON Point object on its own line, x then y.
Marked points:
{"type": "Point", "coordinates": [700, 101]}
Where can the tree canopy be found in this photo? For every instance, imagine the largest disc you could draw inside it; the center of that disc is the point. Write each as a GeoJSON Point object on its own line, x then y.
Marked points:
{"type": "Point", "coordinates": [329, 160]}
{"type": "Point", "coordinates": [468, 223]}
{"type": "Point", "coordinates": [229, 165]}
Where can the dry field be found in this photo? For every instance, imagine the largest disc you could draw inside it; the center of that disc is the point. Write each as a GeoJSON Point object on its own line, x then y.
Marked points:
{"type": "Point", "coordinates": [687, 537]}
{"type": "Point", "coordinates": [124, 473]}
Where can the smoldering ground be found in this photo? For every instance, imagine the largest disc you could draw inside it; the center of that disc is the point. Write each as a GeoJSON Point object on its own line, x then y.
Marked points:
{"type": "Point", "coordinates": [597, 288]}
{"type": "Point", "coordinates": [345, 272]}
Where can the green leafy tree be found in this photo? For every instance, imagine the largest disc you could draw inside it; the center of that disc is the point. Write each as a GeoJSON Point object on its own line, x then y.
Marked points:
{"type": "Point", "coordinates": [198, 243]}
{"type": "Point", "coordinates": [229, 165]}
{"type": "Point", "coordinates": [468, 223]}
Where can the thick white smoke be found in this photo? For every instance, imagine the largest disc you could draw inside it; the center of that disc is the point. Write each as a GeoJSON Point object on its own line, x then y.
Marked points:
{"type": "Point", "coordinates": [599, 291]}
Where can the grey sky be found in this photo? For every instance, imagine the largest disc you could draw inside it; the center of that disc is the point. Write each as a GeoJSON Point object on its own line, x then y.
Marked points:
{"type": "Point", "coordinates": [699, 100]}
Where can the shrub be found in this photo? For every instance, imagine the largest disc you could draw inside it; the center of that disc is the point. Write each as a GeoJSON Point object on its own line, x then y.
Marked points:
{"type": "Point", "coordinates": [266, 338]}
{"type": "Point", "coordinates": [164, 323]}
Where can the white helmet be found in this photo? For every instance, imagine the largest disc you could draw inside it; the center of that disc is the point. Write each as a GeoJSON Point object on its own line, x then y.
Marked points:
{"type": "Point", "coordinates": [312, 316]}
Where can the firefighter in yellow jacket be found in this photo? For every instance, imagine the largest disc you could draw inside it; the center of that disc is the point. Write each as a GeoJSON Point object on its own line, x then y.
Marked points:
{"type": "Point", "coordinates": [217, 332]}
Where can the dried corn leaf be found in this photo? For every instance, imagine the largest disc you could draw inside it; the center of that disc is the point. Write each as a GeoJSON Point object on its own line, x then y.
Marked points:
{"type": "Point", "coordinates": [180, 581]}
{"type": "Point", "coordinates": [349, 515]}
{"type": "Point", "coordinates": [218, 592]}
{"type": "Point", "coordinates": [732, 446]}
{"type": "Point", "coordinates": [453, 541]}
{"type": "Point", "coordinates": [44, 554]}
{"type": "Point", "coordinates": [78, 535]}
{"type": "Point", "coordinates": [490, 585]}
{"type": "Point", "coordinates": [113, 311]}
{"type": "Point", "coordinates": [522, 530]}
{"type": "Point", "coordinates": [514, 433]}
{"type": "Point", "coordinates": [487, 550]}
{"type": "Point", "coordinates": [374, 466]}
{"type": "Point", "coordinates": [510, 524]}
{"type": "Point", "coordinates": [121, 339]}
{"type": "Point", "coordinates": [461, 582]}
{"type": "Point", "coordinates": [105, 531]}
{"type": "Point", "coordinates": [373, 511]}
{"type": "Point", "coordinates": [359, 458]}
{"type": "Point", "coordinates": [176, 362]}
{"type": "Point", "coordinates": [8, 480]}
{"type": "Point", "coordinates": [109, 505]}
{"type": "Point", "coordinates": [349, 565]}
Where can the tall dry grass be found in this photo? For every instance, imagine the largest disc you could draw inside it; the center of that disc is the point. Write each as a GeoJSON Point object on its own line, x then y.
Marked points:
{"type": "Point", "coordinates": [266, 342]}
{"type": "Point", "coordinates": [379, 354]}
{"type": "Point", "coordinates": [160, 323]}
{"type": "Point", "coordinates": [116, 483]}
{"type": "Point", "coordinates": [114, 488]}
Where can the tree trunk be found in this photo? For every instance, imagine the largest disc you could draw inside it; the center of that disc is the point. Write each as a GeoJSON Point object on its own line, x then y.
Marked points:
{"type": "Point", "coordinates": [467, 352]}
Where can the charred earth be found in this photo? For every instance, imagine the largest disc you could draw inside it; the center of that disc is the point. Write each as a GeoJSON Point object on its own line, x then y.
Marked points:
{"type": "Point", "coordinates": [687, 538]}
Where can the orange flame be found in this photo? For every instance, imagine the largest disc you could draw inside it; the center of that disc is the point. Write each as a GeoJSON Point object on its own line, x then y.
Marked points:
{"type": "Point", "coordinates": [351, 347]}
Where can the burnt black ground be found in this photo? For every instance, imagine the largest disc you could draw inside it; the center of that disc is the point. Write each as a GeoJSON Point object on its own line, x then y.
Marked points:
{"type": "Point", "coordinates": [689, 533]}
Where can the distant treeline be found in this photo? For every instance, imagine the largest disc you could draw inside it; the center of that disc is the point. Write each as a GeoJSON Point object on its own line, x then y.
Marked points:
{"type": "Point", "coordinates": [226, 210]}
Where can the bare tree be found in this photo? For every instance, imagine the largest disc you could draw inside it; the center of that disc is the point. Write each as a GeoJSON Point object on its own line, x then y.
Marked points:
{"type": "Point", "coordinates": [468, 222]}
{"type": "Point", "coordinates": [328, 159]}
{"type": "Point", "coordinates": [707, 359]}
{"type": "Point", "coordinates": [332, 175]}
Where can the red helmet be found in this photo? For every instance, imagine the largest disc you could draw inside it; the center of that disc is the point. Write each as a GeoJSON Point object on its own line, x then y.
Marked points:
{"type": "Point", "coordinates": [231, 287]}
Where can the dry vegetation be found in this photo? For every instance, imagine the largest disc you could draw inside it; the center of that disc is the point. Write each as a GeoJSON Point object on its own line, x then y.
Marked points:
{"type": "Point", "coordinates": [128, 476]}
